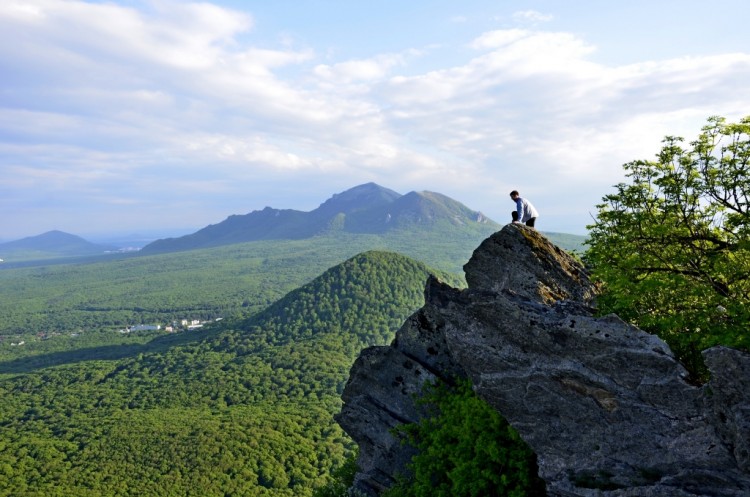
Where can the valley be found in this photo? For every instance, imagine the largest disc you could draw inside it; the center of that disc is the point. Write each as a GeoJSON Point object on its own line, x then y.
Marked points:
{"type": "Point", "coordinates": [244, 405]}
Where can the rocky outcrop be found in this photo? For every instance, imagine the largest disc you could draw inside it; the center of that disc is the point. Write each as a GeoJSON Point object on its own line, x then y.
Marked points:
{"type": "Point", "coordinates": [604, 405]}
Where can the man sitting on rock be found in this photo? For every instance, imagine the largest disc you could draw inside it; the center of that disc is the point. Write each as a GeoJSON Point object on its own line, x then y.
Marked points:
{"type": "Point", "coordinates": [525, 211]}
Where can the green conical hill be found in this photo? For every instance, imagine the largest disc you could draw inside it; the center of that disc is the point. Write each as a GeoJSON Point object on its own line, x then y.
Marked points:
{"type": "Point", "coordinates": [381, 286]}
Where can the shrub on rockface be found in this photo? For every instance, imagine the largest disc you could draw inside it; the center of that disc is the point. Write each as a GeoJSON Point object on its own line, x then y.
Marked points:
{"type": "Point", "coordinates": [466, 449]}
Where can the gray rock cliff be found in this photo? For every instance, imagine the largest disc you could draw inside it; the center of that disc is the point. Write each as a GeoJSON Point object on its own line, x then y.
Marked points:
{"type": "Point", "coordinates": [604, 405]}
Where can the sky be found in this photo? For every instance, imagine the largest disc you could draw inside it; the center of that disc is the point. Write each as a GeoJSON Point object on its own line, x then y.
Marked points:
{"type": "Point", "coordinates": [163, 116]}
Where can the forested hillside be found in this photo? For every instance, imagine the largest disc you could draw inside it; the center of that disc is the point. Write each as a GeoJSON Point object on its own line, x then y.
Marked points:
{"type": "Point", "coordinates": [92, 299]}
{"type": "Point", "coordinates": [240, 279]}
{"type": "Point", "coordinates": [201, 284]}
{"type": "Point", "coordinates": [242, 408]}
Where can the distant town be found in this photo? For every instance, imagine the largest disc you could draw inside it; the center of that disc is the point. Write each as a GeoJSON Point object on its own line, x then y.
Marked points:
{"type": "Point", "coordinates": [174, 327]}
{"type": "Point", "coordinates": [184, 324]}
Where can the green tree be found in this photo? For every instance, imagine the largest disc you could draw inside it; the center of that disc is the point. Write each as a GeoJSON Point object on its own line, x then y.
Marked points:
{"type": "Point", "coordinates": [670, 246]}
{"type": "Point", "coordinates": [342, 479]}
{"type": "Point", "coordinates": [466, 449]}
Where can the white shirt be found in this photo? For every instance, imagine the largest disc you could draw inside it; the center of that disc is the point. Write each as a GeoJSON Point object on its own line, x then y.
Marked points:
{"type": "Point", "coordinates": [525, 210]}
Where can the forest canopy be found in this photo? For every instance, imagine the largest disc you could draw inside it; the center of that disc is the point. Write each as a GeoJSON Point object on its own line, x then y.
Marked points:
{"type": "Point", "coordinates": [242, 407]}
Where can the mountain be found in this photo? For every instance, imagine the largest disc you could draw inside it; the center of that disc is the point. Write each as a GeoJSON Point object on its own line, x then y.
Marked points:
{"type": "Point", "coordinates": [364, 209]}
{"type": "Point", "coordinates": [362, 197]}
{"type": "Point", "coordinates": [51, 244]}
{"type": "Point", "coordinates": [241, 407]}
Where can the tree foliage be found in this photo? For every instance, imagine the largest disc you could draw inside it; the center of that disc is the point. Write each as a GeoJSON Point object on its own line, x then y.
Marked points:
{"type": "Point", "coordinates": [466, 449]}
{"type": "Point", "coordinates": [342, 478]}
{"type": "Point", "coordinates": [671, 245]}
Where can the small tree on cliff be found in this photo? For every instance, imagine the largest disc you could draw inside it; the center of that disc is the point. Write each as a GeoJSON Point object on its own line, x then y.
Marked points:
{"type": "Point", "coordinates": [466, 449]}
{"type": "Point", "coordinates": [671, 246]}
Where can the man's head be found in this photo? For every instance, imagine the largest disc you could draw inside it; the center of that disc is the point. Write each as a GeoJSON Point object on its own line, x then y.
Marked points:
{"type": "Point", "coordinates": [514, 194]}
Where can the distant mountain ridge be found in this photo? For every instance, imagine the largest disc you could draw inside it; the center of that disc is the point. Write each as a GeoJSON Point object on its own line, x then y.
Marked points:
{"type": "Point", "coordinates": [54, 244]}
{"type": "Point", "coordinates": [364, 209]}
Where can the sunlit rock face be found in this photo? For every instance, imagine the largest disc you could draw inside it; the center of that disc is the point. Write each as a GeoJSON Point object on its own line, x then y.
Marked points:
{"type": "Point", "coordinates": [604, 405]}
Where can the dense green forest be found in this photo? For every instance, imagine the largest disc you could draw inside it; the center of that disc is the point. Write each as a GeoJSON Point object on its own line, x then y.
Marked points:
{"type": "Point", "coordinates": [243, 407]}
{"type": "Point", "coordinates": [232, 280]}
{"type": "Point", "coordinates": [200, 284]}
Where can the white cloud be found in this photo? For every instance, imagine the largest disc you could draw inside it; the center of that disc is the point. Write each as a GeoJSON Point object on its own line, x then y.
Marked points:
{"type": "Point", "coordinates": [104, 97]}
{"type": "Point", "coordinates": [533, 108]}
{"type": "Point", "coordinates": [499, 38]}
{"type": "Point", "coordinates": [250, 153]}
{"type": "Point", "coordinates": [175, 34]}
{"type": "Point", "coordinates": [531, 16]}
{"type": "Point", "coordinates": [524, 52]}
{"type": "Point", "coordinates": [373, 69]}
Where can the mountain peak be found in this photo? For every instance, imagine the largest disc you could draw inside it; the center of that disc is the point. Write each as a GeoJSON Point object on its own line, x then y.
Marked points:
{"type": "Point", "coordinates": [55, 235]}
{"type": "Point", "coordinates": [366, 196]}
{"type": "Point", "coordinates": [53, 243]}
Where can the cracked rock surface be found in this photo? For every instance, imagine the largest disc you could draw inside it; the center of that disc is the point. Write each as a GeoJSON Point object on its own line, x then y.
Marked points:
{"type": "Point", "coordinates": [604, 405]}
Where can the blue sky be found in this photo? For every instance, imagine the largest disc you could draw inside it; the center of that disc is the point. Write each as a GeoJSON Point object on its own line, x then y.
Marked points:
{"type": "Point", "coordinates": [164, 116]}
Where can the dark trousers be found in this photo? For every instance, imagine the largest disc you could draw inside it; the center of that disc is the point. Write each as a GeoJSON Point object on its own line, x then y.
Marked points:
{"type": "Point", "coordinates": [529, 223]}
